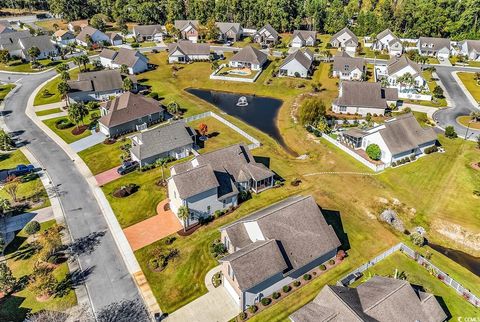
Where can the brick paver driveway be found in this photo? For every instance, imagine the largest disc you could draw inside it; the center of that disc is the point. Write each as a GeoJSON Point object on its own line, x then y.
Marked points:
{"type": "Point", "coordinates": [107, 176]}
{"type": "Point", "coordinates": [152, 229]}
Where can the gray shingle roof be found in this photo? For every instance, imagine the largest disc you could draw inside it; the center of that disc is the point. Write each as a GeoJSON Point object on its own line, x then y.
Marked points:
{"type": "Point", "coordinates": [11, 38]}
{"type": "Point", "coordinates": [128, 107]}
{"type": "Point", "coordinates": [195, 180]}
{"type": "Point", "coordinates": [162, 139]}
{"type": "Point", "coordinates": [378, 299]}
{"type": "Point", "coordinates": [251, 55]}
{"type": "Point", "coordinates": [296, 224]}
{"type": "Point", "coordinates": [472, 45]}
{"type": "Point", "coordinates": [41, 42]}
{"type": "Point", "coordinates": [226, 26]}
{"type": "Point", "coordinates": [99, 81]}
{"type": "Point", "coordinates": [305, 58]}
{"type": "Point", "coordinates": [384, 33]}
{"type": "Point", "coordinates": [148, 30]}
{"type": "Point", "coordinates": [304, 34]}
{"type": "Point", "coordinates": [108, 53]}
{"type": "Point", "coordinates": [270, 30]}
{"type": "Point", "coordinates": [404, 133]}
{"type": "Point", "coordinates": [87, 30]}
{"type": "Point", "coordinates": [343, 62]}
{"type": "Point", "coordinates": [349, 32]}
{"type": "Point", "coordinates": [189, 48]}
{"type": "Point", "coordinates": [436, 43]}
{"type": "Point", "coordinates": [182, 24]}
{"type": "Point", "coordinates": [361, 94]}
{"type": "Point", "coordinates": [398, 63]}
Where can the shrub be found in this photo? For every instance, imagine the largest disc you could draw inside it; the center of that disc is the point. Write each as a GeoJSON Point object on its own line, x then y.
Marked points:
{"type": "Point", "coordinates": [322, 267]}
{"type": "Point", "coordinates": [266, 301]}
{"type": "Point", "coordinates": [218, 213]}
{"type": "Point", "coordinates": [63, 124]}
{"type": "Point", "coordinates": [430, 149]}
{"type": "Point", "coordinates": [417, 239]}
{"type": "Point", "coordinates": [331, 262]}
{"type": "Point", "coordinates": [154, 95]}
{"type": "Point", "coordinates": [242, 316]}
{"type": "Point", "coordinates": [286, 288]}
{"type": "Point", "coordinates": [170, 240]}
{"type": "Point", "coordinates": [253, 308]}
{"type": "Point", "coordinates": [341, 254]}
{"type": "Point", "coordinates": [32, 227]}
{"type": "Point", "coordinates": [154, 263]}
{"type": "Point", "coordinates": [374, 152]}
{"type": "Point", "coordinates": [275, 295]}
{"type": "Point", "coordinates": [413, 158]}
{"type": "Point", "coordinates": [394, 164]}
{"type": "Point", "coordinates": [450, 132]}
{"type": "Point", "coordinates": [296, 283]}
{"type": "Point", "coordinates": [307, 277]}
{"type": "Point", "coordinates": [135, 45]}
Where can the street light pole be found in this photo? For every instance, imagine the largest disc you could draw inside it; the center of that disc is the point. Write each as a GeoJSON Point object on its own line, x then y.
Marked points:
{"type": "Point", "coordinates": [468, 127]}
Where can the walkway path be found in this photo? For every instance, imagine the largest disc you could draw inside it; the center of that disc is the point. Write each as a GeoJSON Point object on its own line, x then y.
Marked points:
{"type": "Point", "coordinates": [16, 223]}
{"type": "Point", "coordinates": [107, 176]}
{"type": "Point", "coordinates": [52, 116]}
{"type": "Point", "coordinates": [152, 229]}
{"type": "Point", "coordinates": [88, 141]}
{"type": "Point", "coordinates": [49, 106]}
{"type": "Point", "coordinates": [420, 108]}
{"type": "Point", "coordinates": [215, 306]}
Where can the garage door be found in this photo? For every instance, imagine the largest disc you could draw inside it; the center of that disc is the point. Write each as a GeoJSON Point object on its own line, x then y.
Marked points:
{"type": "Point", "coordinates": [231, 291]}
{"type": "Point", "coordinates": [193, 39]}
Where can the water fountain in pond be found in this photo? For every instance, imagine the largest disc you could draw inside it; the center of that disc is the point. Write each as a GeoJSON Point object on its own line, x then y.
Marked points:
{"type": "Point", "coordinates": [242, 101]}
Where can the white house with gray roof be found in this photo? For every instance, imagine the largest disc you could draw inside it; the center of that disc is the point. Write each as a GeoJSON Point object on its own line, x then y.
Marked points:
{"type": "Point", "coordinates": [380, 299]}
{"type": "Point", "coordinates": [212, 181]}
{"type": "Point", "coordinates": [436, 47]}
{"type": "Point", "coordinates": [133, 59]}
{"type": "Point", "coordinates": [249, 57]}
{"type": "Point", "coordinates": [387, 41]}
{"type": "Point", "coordinates": [90, 34]}
{"type": "Point", "coordinates": [302, 38]}
{"type": "Point", "coordinates": [345, 40]}
{"type": "Point", "coordinates": [149, 33]}
{"type": "Point", "coordinates": [347, 67]}
{"type": "Point", "coordinates": [274, 246]}
{"type": "Point", "coordinates": [266, 36]}
{"type": "Point", "coordinates": [470, 49]}
{"type": "Point", "coordinates": [398, 138]}
{"type": "Point", "coordinates": [297, 64]}
{"type": "Point", "coordinates": [189, 29]}
{"type": "Point", "coordinates": [185, 51]}
{"type": "Point", "coordinates": [229, 31]}
{"type": "Point", "coordinates": [17, 43]}
{"type": "Point", "coordinates": [173, 140]}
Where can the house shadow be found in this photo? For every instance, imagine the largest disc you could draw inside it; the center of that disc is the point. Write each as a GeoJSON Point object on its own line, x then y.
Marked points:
{"type": "Point", "coordinates": [11, 308]}
{"type": "Point", "coordinates": [334, 219]}
{"type": "Point", "coordinates": [444, 306]}
{"type": "Point", "coordinates": [266, 162]}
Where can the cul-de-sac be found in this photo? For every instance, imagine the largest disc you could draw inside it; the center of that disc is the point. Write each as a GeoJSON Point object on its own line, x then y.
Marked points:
{"type": "Point", "coordinates": [225, 161]}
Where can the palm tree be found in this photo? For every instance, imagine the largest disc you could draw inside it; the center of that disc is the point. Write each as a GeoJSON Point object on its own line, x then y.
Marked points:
{"type": "Point", "coordinates": [77, 112]}
{"type": "Point", "coordinates": [124, 69]}
{"type": "Point", "coordinates": [184, 214]}
{"type": "Point", "coordinates": [127, 84]}
{"type": "Point", "coordinates": [172, 108]}
{"type": "Point", "coordinates": [162, 162]}
{"type": "Point", "coordinates": [33, 53]}
{"type": "Point", "coordinates": [4, 206]}
{"type": "Point", "coordinates": [63, 88]}
{"type": "Point", "coordinates": [475, 116]}
{"type": "Point", "coordinates": [84, 60]}
{"type": "Point", "coordinates": [65, 76]}
{"type": "Point", "coordinates": [214, 65]}
{"type": "Point", "coordinates": [78, 61]}
{"type": "Point", "coordinates": [61, 68]}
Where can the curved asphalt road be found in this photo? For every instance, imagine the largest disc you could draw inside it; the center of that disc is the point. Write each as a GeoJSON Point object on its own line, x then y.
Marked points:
{"type": "Point", "coordinates": [109, 280]}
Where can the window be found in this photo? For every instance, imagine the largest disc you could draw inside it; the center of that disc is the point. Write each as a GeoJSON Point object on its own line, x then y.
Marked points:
{"type": "Point", "coordinates": [343, 108]}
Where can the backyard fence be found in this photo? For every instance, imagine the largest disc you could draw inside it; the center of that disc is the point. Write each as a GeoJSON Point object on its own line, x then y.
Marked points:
{"type": "Point", "coordinates": [441, 275]}
{"type": "Point", "coordinates": [254, 142]}
{"type": "Point", "coordinates": [372, 166]}
{"type": "Point", "coordinates": [231, 78]}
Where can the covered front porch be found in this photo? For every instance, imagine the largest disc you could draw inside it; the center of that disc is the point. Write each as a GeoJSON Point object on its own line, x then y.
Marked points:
{"type": "Point", "coordinates": [260, 185]}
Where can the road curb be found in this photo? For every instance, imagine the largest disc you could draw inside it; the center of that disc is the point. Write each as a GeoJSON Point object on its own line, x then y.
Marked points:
{"type": "Point", "coordinates": [465, 90]}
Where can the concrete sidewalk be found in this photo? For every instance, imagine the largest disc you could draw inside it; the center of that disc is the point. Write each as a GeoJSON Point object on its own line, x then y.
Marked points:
{"type": "Point", "coordinates": [420, 108]}
{"type": "Point", "coordinates": [52, 116]}
{"type": "Point", "coordinates": [16, 223]}
{"type": "Point", "coordinates": [88, 141]}
{"type": "Point", "coordinates": [50, 106]}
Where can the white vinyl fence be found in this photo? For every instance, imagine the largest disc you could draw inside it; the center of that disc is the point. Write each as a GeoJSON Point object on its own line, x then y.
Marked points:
{"type": "Point", "coordinates": [255, 143]}
{"type": "Point", "coordinates": [462, 291]}
{"type": "Point", "coordinates": [233, 78]}
{"type": "Point", "coordinates": [373, 166]}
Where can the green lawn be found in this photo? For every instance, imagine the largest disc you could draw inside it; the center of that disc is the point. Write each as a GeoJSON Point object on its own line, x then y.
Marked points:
{"type": "Point", "coordinates": [102, 157]}
{"type": "Point", "coordinates": [53, 95]}
{"type": "Point", "coordinates": [466, 121]}
{"type": "Point", "coordinates": [19, 66]}
{"type": "Point", "coordinates": [31, 190]}
{"type": "Point", "coordinates": [15, 307]}
{"type": "Point", "coordinates": [433, 60]}
{"type": "Point", "coordinates": [471, 84]}
{"type": "Point", "coordinates": [49, 111]}
{"type": "Point", "coordinates": [66, 134]}
{"type": "Point", "coordinates": [48, 24]}
{"type": "Point", "coordinates": [5, 89]}
{"type": "Point", "coordinates": [368, 53]}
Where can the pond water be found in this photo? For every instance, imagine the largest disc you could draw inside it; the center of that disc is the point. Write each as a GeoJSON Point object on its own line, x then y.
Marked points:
{"type": "Point", "coordinates": [466, 260]}
{"type": "Point", "coordinates": [260, 112]}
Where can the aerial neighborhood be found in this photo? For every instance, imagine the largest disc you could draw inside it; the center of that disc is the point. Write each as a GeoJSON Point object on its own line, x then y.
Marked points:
{"type": "Point", "coordinates": [211, 161]}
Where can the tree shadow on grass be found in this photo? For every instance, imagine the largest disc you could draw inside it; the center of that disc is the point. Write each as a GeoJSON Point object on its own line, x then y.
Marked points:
{"type": "Point", "coordinates": [72, 280]}
{"type": "Point", "coordinates": [85, 245]}
{"type": "Point", "coordinates": [334, 219]}
{"type": "Point", "coordinates": [16, 251]}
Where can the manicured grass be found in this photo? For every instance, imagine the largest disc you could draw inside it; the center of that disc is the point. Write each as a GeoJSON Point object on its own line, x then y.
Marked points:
{"type": "Point", "coordinates": [31, 189]}
{"type": "Point", "coordinates": [220, 135]}
{"type": "Point", "coordinates": [471, 84]}
{"type": "Point", "coordinates": [474, 63]}
{"type": "Point", "coordinates": [143, 203]}
{"type": "Point", "coordinates": [48, 24]}
{"type": "Point", "coordinates": [368, 53]}
{"type": "Point", "coordinates": [51, 87]}
{"type": "Point", "coordinates": [5, 89]}
{"type": "Point", "coordinates": [466, 120]}
{"type": "Point", "coordinates": [66, 134]}
{"type": "Point", "coordinates": [102, 157]}
{"type": "Point", "coordinates": [418, 275]}
{"type": "Point", "coordinates": [370, 72]}
{"type": "Point", "coordinates": [19, 66]}
{"type": "Point", "coordinates": [433, 60]}
{"type": "Point", "coordinates": [49, 111]}
{"type": "Point", "coordinates": [15, 307]}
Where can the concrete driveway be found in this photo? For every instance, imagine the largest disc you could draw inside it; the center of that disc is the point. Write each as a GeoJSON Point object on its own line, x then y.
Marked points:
{"type": "Point", "coordinates": [215, 306]}
{"type": "Point", "coordinates": [88, 141]}
{"type": "Point", "coordinates": [107, 176]}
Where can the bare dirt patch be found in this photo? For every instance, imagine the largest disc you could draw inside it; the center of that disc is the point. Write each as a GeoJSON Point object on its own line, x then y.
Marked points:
{"type": "Point", "coordinates": [79, 130]}
{"type": "Point", "coordinates": [458, 234]}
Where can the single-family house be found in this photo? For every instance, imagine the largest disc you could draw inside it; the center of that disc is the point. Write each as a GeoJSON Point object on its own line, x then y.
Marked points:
{"type": "Point", "coordinates": [302, 38]}
{"type": "Point", "coordinates": [398, 138]}
{"type": "Point", "coordinates": [63, 37]}
{"type": "Point", "coordinates": [272, 247]}
{"type": "Point", "coordinates": [97, 86]}
{"type": "Point", "coordinates": [229, 31]}
{"type": "Point", "coordinates": [174, 140]}
{"type": "Point", "coordinates": [89, 36]}
{"type": "Point", "coordinates": [266, 36]}
{"type": "Point", "coordinates": [5, 27]}
{"type": "Point", "coordinates": [249, 57]}
{"type": "Point", "coordinates": [128, 113]}
{"type": "Point", "coordinates": [297, 64]}
{"type": "Point", "coordinates": [77, 25]}
{"type": "Point", "coordinates": [9, 41]}
{"type": "Point", "coordinates": [396, 69]}
{"type": "Point", "coordinates": [189, 29]}
{"type": "Point", "coordinates": [43, 43]}
{"type": "Point", "coordinates": [347, 67]}
{"type": "Point", "coordinates": [185, 51]}
{"type": "Point", "coordinates": [381, 299]}
{"type": "Point", "coordinates": [436, 47]}
{"type": "Point", "coordinates": [387, 41]}
{"type": "Point", "coordinates": [470, 49]}
{"type": "Point", "coordinates": [213, 181]}
{"type": "Point", "coordinates": [345, 40]}
{"type": "Point", "coordinates": [133, 59]}
{"type": "Point", "coordinates": [115, 39]}
{"type": "Point", "coordinates": [363, 98]}
{"type": "Point", "coordinates": [149, 33]}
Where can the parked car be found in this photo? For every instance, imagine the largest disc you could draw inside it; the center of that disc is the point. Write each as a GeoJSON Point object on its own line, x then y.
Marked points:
{"type": "Point", "coordinates": [21, 170]}
{"type": "Point", "coordinates": [127, 167]}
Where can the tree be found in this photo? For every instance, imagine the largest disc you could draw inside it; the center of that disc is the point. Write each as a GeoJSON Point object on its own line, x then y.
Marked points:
{"type": "Point", "coordinates": [7, 280]}
{"type": "Point", "coordinates": [173, 108]}
{"type": "Point", "coordinates": [183, 215]}
{"type": "Point", "coordinates": [6, 141]}
{"type": "Point", "coordinates": [121, 25]}
{"type": "Point", "coordinates": [32, 227]}
{"type": "Point", "coordinates": [77, 60]}
{"type": "Point", "coordinates": [437, 92]}
{"type": "Point", "coordinates": [478, 141]}
{"type": "Point", "coordinates": [203, 129]}
{"type": "Point", "coordinates": [63, 88]}
{"type": "Point", "coordinates": [84, 60]}
{"type": "Point", "coordinates": [50, 242]}
{"type": "Point", "coordinates": [212, 32]}
{"type": "Point", "coordinates": [417, 239]}
{"type": "Point", "coordinates": [450, 132]}
{"type": "Point", "coordinates": [77, 112]}
{"type": "Point", "coordinates": [475, 116]}
{"type": "Point", "coordinates": [65, 76]}
{"type": "Point", "coordinates": [43, 282]}
{"type": "Point", "coordinates": [4, 56]}
{"type": "Point", "coordinates": [11, 187]}
{"type": "Point", "coordinates": [4, 206]}
{"type": "Point", "coordinates": [214, 65]}
{"type": "Point", "coordinates": [61, 68]}
{"type": "Point", "coordinates": [311, 110]}
{"type": "Point", "coordinates": [162, 162]}
{"type": "Point", "coordinates": [374, 152]}
{"type": "Point", "coordinates": [33, 52]}
{"type": "Point", "coordinates": [127, 84]}
{"type": "Point", "coordinates": [98, 22]}
{"type": "Point", "coordinates": [124, 69]}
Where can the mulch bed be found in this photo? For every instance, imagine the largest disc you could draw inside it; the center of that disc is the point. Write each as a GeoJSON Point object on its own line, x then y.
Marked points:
{"type": "Point", "coordinates": [79, 130]}
{"type": "Point", "coordinates": [109, 141]}
{"type": "Point", "coordinates": [475, 165]}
